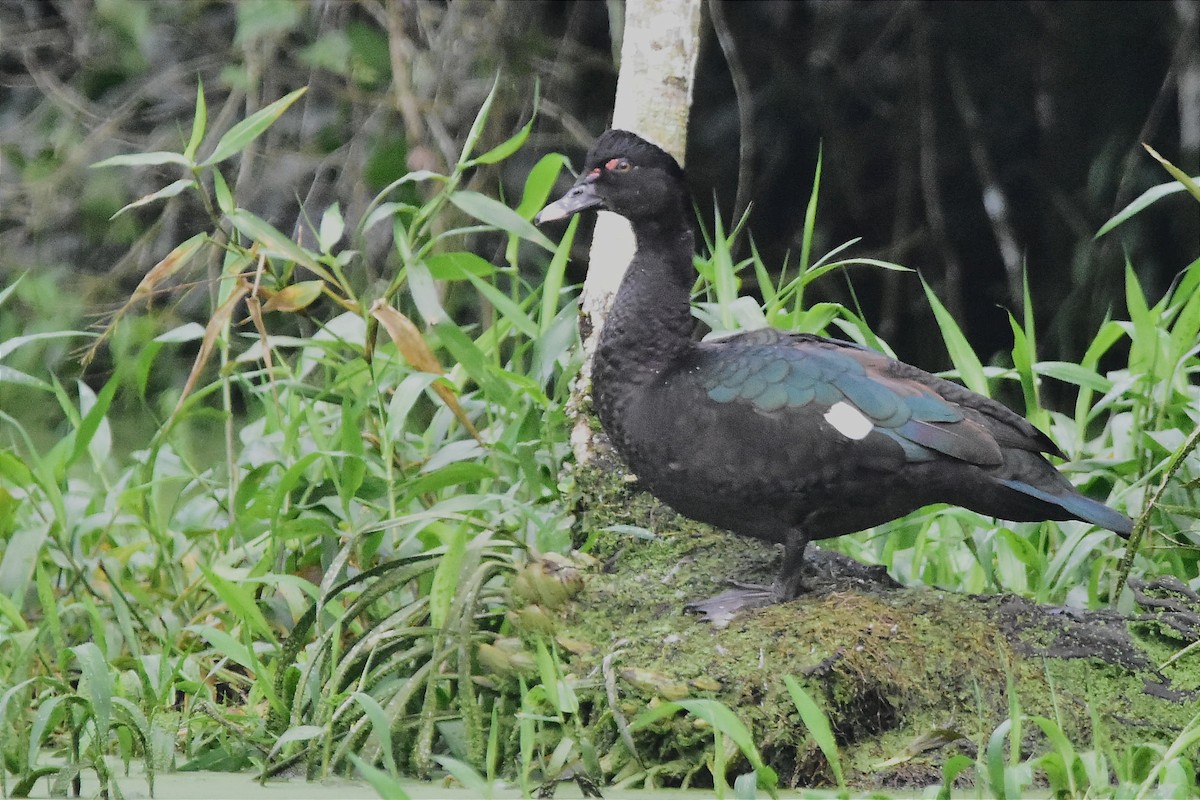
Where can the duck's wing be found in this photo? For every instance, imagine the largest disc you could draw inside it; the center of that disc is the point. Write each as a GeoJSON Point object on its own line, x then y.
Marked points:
{"type": "Point", "coordinates": [857, 392]}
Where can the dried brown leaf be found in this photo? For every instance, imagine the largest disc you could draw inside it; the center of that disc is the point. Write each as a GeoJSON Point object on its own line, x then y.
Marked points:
{"type": "Point", "coordinates": [215, 323]}
{"type": "Point", "coordinates": [412, 345]}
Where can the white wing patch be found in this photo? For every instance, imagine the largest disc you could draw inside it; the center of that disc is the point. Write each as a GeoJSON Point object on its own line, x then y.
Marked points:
{"type": "Point", "coordinates": [848, 420]}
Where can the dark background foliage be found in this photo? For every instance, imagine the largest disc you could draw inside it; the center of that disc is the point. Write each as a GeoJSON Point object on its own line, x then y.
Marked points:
{"type": "Point", "coordinates": [969, 140]}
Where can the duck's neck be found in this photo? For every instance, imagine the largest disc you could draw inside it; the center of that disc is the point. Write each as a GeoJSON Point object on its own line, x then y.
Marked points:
{"type": "Point", "coordinates": [650, 324]}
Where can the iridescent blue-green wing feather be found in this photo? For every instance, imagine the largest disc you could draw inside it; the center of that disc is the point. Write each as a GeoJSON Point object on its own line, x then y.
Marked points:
{"type": "Point", "coordinates": [778, 373]}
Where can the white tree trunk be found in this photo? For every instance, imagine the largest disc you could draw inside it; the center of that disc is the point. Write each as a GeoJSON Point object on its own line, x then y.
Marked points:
{"type": "Point", "coordinates": [660, 43]}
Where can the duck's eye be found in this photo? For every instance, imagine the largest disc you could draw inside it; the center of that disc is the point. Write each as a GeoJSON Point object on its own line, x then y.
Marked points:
{"type": "Point", "coordinates": [618, 165]}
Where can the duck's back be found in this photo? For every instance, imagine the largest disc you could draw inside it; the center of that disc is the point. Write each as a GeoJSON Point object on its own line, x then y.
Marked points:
{"type": "Point", "coordinates": [767, 431]}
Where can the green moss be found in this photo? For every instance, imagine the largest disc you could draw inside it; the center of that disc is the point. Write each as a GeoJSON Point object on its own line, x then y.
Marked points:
{"type": "Point", "coordinates": [889, 665]}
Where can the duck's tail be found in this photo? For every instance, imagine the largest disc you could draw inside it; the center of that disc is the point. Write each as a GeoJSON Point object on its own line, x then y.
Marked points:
{"type": "Point", "coordinates": [1078, 506]}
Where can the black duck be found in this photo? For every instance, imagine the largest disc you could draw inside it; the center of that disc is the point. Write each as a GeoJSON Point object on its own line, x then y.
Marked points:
{"type": "Point", "coordinates": [786, 437]}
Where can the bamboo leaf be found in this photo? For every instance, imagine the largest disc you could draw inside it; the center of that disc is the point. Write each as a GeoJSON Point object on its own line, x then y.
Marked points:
{"type": "Point", "coordinates": [273, 242]}
{"type": "Point", "coordinates": [1191, 184]}
{"type": "Point", "coordinates": [496, 214]}
{"type": "Point", "coordinates": [295, 297]}
{"type": "Point", "coordinates": [514, 142]}
{"type": "Point", "coordinates": [199, 123]}
{"type": "Point", "coordinates": [164, 193]}
{"type": "Point", "coordinates": [332, 228]}
{"type": "Point", "coordinates": [143, 160]}
{"type": "Point", "coordinates": [480, 120]}
{"type": "Point", "coordinates": [1146, 198]}
{"type": "Point", "coordinates": [239, 136]}
{"type": "Point", "coordinates": [540, 182]}
{"type": "Point", "coordinates": [961, 354]}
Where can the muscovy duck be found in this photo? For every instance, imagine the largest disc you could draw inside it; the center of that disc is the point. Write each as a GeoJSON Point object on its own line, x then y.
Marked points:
{"type": "Point", "coordinates": [785, 437]}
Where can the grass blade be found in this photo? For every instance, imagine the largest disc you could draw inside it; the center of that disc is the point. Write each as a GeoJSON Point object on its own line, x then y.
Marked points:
{"type": "Point", "coordinates": [818, 726]}
{"type": "Point", "coordinates": [964, 358]}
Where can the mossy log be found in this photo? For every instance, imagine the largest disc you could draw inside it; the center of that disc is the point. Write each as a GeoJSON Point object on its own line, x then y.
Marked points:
{"type": "Point", "coordinates": [907, 676]}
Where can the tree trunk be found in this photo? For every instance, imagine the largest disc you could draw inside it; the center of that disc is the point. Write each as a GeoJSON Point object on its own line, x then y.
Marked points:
{"type": "Point", "coordinates": [660, 43]}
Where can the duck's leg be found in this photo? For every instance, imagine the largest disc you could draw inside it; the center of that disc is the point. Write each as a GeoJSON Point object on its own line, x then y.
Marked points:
{"type": "Point", "coordinates": [790, 583]}
{"type": "Point", "coordinates": [787, 586]}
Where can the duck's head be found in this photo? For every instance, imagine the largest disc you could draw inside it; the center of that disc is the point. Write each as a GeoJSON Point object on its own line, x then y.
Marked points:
{"type": "Point", "coordinates": [627, 175]}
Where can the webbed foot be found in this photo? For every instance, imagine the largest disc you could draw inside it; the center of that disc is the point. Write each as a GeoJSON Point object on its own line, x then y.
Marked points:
{"type": "Point", "coordinates": [720, 609]}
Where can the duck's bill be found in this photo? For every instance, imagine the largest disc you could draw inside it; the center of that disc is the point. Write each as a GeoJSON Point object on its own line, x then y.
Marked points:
{"type": "Point", "coordinates": [581, 197]}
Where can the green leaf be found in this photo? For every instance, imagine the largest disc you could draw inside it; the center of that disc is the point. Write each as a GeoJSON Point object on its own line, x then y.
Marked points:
{"type": "Point", "coordinates": [6, 292]}
{"type": "Point", "coordinates": [1185, 329]}
{"type": "Point", "coordinates": [496, 214]}
{"type": "Point", "coordinates": [144, 160]}
{"type": "Point", "coordinates": [187, 332]}
{"type": "Point", "coordinates": [1108, 335]}
{"type": "Point", "coordinates": [1191, 184]}
{"type": "Point", "coordinates": [332, 228]}
{"type": "Point", "coordinates": [995, 759]}
{"type": "Point", "coordinates": [240, 600]}
{"type": "Point", "coordinates": [1076, 374]}
{"type": "Point", "coordinates": [446, 578]}
{"type": "Point", "coordinates": [810, 217]}
{"type": "Point", "coordinates": [724, 275]}
{"type": "Point", "coordinates": [385, 785]}
{"type": "Point", "coordinates": [818, 725]}
{"type": "Point", "coordinates": [477, 126]}
{"type": "Point", "coordinates": [506, 306]}
{"type": "Point", "coordinates": [239, 136]}
{"type": "Point", "coordinates": [15, 376]}
{"type": "Point", "coordinates": [466, 775]}
{"type": "Point", "coordinates": [469, 355]}
{"type": "Point", "coordinates": [162, 194]}
{"type": "Point", "coordinates": [425, 294]}
{"type": "Point", "coordinates": [288, 481]}
{"type": "Point", "coordinates": [1023, 362]}
{"type": "Point", "coordinates": [1146, 198]}
{"type": "Point", "coordinates": [263, 19]}
{"type": "Point", "coordinates": [300, 733]}
{"type": "Point", "coordinates": [9, 345]}
{"type": "Point", "coordinates": [1144, 346]}
{"type": "Point", "coordinates": [1064, 749]}
{"type": "Point", "coordinates": [548, 674]}
{"type": "Point", "coordinates": [722, 719]}
{"type": "Point", "coordinates": [225, 645]}
{"type": "Point", "coordinates": [816, 272]}
{"type": "Point", "coordinates": [224, 195]}
{"type": "Point", "coordinates": [98, 681]}
{"type": "Point", "coordinates": [540, 182]}
{"type": "Point", "coordinates": [199, 123]}
{"type": "Point", "coordinates": [961, 354]}
{"type": "Point", "coordinates": [457, 266]}
{"type": "Point", "coordinates": [275, 243]}
{"type": "Point", "coordinates": [950, 772]}
{"type": "Point", "coordinates": [555, 275]}
{"type": "Point", "coordinates": [381, 726]}
{"type": "Point", "coordinates": [95, 416]}
{"type": "Point", "coordinates": [514, 142]}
